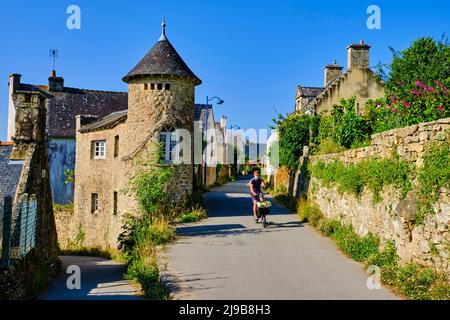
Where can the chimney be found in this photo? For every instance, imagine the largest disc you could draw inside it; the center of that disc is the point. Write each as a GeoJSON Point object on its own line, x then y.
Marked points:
{"type": "Point", "coordinates": [358, 56]}
{"type": "Point", "coordinates": [223, 122]}
{"type": "Point", "coordinates": [14, 82]}
{"type": "Point", "coordinates": [55, 84]}
{"type": "Point", "coordinates": [331, 73]}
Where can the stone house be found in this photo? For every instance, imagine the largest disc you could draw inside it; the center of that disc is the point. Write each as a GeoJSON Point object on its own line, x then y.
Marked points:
{"type": "Point", "coordinates": [161, 92]}
{"type": "Point", "coordinates": [62, 105]}
{"type": "Point", "coordinates": [216, 148]}
{"type": "Point", "coordinates": [359, 81]}
{"type": "Point", "coordinates": [26, 212]}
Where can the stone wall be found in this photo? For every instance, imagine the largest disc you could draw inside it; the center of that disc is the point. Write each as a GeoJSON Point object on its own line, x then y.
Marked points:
{"type": "Point", "coordinates": [391, 219]}
{"type": "Point", "coordinates": [34, 270]}
{"type": "Point", "coordinates": [103, 177]}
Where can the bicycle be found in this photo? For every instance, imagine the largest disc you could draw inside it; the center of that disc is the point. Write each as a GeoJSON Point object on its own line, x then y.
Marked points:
{"type": "Point", "coordinates": [263, 209]}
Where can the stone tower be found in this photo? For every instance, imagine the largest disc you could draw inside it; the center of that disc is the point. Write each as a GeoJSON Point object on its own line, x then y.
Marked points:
{"type": "Point", "coordinates": [161, 91]}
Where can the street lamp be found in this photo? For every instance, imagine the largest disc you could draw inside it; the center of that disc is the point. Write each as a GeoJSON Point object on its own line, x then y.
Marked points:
{"type": "Point", "coordinates": [208, 100]}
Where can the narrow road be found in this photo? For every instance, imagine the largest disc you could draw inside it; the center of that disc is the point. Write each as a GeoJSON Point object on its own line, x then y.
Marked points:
{"type": "Point", "coordinates": [101, 279]}
{"type": "Point", "coordinates": [228, 256]}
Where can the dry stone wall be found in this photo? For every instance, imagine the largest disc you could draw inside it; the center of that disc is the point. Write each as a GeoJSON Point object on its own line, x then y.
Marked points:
{"type": "Point", "coordinates": [391, 218]}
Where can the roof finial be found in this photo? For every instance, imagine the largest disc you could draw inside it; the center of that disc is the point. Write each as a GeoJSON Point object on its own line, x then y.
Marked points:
{"type": "Point", "coordinates": [163, 25]}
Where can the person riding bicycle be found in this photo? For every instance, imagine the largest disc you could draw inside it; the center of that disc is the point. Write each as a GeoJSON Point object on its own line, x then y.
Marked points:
{"type": "Point", "coordinates": [256, 185]}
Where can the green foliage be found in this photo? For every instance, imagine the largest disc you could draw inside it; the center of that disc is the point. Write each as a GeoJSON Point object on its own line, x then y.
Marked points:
{"type": "Point", "coordinates": [373, 174]}
{"type": "Point", "coordinates": [194, 215]}
{"type": "Point", "coordinates": [380, 118]}
{"type": "Point", "coordinates": [150, 183]}
{"type": "Point", "coordinates": [434, 175]}
{"type": "Point", "coordinates": [142, 231]}
{"type": "Point", "coordinates": [287, 200]}
{"type": "Point", "coordinates": [417, 85]}
{"type": "Point", "coordinates": [90, 252]}
{"type": "Point", "coordinates": [425, 59]}
{"type": "Point", "coordinates": [80, 237]}
{"type": "Point", "coordinates": [137, 244]}
{"type": "Point", "coordinates": [386, 258]}
{"type": "Point", "coordinates": [358, 248]}
{"type": "Point", "coordinates": [309, 213]}
{"type": "Point", "coordinates": [417, 282]}
{"type": "Point", "coordinates": [327, 146]}
{"type": "Point", "coordinates": [350, 129]}
{"type": "Point", "coordinates": [146, 273]}
{"type": "Point", "coordinates": [295, 132]}
{"type": "Point", "coordinates": [63, 208]}
{"type": "Point", "coordinates": [70, 176]}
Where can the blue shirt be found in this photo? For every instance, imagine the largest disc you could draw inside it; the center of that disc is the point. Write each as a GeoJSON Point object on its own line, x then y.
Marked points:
{"type": "Point", "coordinates": [256, 185]}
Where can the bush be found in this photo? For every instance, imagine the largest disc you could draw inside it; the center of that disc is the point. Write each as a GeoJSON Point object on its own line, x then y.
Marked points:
{"type": "Point", "coordinates": [308, 212]}
{"type": "Point", "coordinates": [195, 215]}
{"type": "Point", "coordinates": [386, 258]}
{"type": "Point", "coordinates": [327, 146]}
{"type": "Point", "coordinates": [138, 244]}
{"type": "Point", "coordinates": [417, 282]}
{"type": "Point", "coordinates": [146, 273]}
{"type": "Point", "coordinates": [433, 176]}
{"type": "Point", "coordinates": [295, 132]}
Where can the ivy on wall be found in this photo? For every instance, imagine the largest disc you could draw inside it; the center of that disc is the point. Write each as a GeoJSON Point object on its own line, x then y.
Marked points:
{"type": "Point", "coordinates": [373, 174]}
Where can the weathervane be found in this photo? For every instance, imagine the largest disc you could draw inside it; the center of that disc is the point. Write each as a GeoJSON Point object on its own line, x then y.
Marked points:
{"type": "Point", "coordinates": [54, 54]}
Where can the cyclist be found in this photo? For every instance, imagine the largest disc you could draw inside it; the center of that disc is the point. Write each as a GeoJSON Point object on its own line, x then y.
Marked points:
{"type": "Point", "coordinates": [256, 185]}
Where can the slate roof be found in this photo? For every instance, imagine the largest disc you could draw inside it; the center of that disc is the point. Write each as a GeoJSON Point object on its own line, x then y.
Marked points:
{"type": "Point", "coordinates": [162, 60]}
{"type": "Point", "coordinates": [311, 92]}
{"type": "Point", "coordinates": [62, 108]}
{"type": "Point", "coordinates": [9, 176]}
{"type": "Point", "coordinates": [108, 122]}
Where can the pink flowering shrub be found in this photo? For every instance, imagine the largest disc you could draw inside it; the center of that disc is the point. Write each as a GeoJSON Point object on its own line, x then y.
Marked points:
{"type": "Point", "coordinates": [423, 103]}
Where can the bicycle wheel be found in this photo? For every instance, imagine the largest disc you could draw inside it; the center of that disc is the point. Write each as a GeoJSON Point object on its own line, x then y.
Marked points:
{"type": "Point", "coordinates": [264, 222]}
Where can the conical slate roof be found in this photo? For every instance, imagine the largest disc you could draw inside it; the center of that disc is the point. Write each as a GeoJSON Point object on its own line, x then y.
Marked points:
{"type": "Point", "coordinates": [162, 60]}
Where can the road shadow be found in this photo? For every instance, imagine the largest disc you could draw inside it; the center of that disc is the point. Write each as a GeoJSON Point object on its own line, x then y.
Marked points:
{"type": "Point", "coordinates": [222, 230]}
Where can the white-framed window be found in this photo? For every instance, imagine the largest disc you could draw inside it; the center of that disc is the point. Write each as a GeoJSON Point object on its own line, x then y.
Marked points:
{"type": "Point", "coordinates": [168, 139]}
{"type": "Point", "coordinates": [98, 149]}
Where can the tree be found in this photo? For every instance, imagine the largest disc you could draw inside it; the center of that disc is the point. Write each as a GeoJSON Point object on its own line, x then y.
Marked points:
{"type": "Point", "coordinates": [426, 60]}
{"type": "Point", "coordinates": [295, 132]}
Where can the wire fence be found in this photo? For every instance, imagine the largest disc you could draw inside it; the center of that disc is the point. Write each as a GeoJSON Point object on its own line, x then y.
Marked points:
{"type": "Point", "coordinates": [18, 236]}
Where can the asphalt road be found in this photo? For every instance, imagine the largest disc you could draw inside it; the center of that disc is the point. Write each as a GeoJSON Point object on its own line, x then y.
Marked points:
{"type": "Point", "coordinates": [101, 279]}
{"type": "Point", "coordinates": [228, 256]}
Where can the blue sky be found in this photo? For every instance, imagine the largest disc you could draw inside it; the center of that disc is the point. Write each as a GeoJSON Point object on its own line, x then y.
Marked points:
{"type": "Point", "coordinates": [251, 53]}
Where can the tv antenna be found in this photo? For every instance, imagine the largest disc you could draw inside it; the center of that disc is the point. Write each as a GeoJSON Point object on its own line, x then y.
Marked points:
{"type": "Point", "coordinates": [54, 54]}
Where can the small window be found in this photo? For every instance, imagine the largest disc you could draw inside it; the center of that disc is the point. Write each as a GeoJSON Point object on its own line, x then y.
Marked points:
{"type": "Point", "coordinates": [116, 146]}
{"type": "Point", "coordinates": [94, 202]}
{"type": "Point", "coordinates": [115, 196]}
{"type": "Point", "coordinates": [160, 86]}
{"type": "Point", "coordinates": [27, 98]}
{"type": "Point", "coordinates": [98, 149]}
{"type": "Point", "coordinates": [152, 86]}
{"type": "Point", "coordinates": [169, 146]}
{"type": "Point", "coordinates": [145, 86]}
{"type": "Point", "coordinates": [167, 86]}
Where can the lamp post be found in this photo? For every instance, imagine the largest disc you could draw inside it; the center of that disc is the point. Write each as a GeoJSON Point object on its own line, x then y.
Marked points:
{"type": "Point", "coordinates": [208, 100]}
